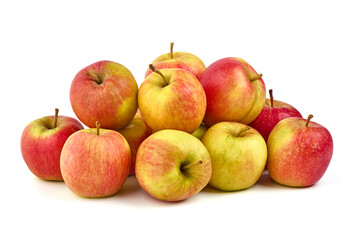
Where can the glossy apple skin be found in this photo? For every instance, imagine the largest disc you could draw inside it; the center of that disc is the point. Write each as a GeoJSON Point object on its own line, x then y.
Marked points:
{"type": "Point", "coordinates": [41, 145]}
{"type": "Point", "coordinates": [159, 161]}
{"type": "Point", "coordinates": [95, 166]}
{"type": "Point", "coordinates": [179, 104]}
{"type": "Point", "coordinates": [238, 156]}
{"type": "Point", "coordinates": [231, 96]}
{"type": "Point", "coordinates": [113, 102]}
{"type": "Point", "coordinates": [135, 133]}
{"type": "Point", "coordinates": [200, 131]}
{"type": "Point", "coordinates": [270, 116]}
{"type": "Point", "coordinates": [298, 155]}
{"type": "Point", "coordinates": [183, 60]}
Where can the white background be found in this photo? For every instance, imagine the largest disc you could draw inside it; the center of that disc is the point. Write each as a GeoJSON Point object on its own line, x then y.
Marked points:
{"type": "Point", "coordinates": [307, 51]}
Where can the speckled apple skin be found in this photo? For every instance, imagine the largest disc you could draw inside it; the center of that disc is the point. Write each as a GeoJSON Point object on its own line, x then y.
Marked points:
{"type": "Point", "coordinates": [178, 103]}
{"type": "Point", "coordinates": [41, 145]}
{"type": "Point", "coordinates": [113, 102]}
{"type": "Point", "coordinates": [298, 155]}
{"type": "Point", "coordinates": [159, 161]}
{"type": "Point", "coordinates": [183, 60]}
{"type": "Point", "coordinates": [95, 165]}
{"type": "Point", "coordinates": [270, 116]}
{"type": "Point", "coordinates": [230, 95]}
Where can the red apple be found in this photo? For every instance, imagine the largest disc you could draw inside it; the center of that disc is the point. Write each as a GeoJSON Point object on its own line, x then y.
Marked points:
{"type": "Point", "coordinates": [273, 112]}
{"type": "Point", "coordinates": [183, 60]}
{"type": "Point", "coordinates": [95, 162]}
{"type": "Point", "coordinates": [135, 133]}
{"type": "Point", "coordinates": [42, 141]}
{"type": "Point", "coordinates": [234, 92]}
{"type": "Point", "coordinates": [172, 99]}
{"type": "Point", "coordinates": [299, 152]}
{"type": "Point", "coordinates": [104, 91]}
{"type": "Point", "coordinates": [172, 165]}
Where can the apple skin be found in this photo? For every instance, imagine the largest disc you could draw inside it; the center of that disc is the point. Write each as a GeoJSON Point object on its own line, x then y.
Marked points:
{"type": "Point", "coordinates": [160, 159]}
{"type": "Point", "coordinates": [41, 145]}
{"type": "Point", "coordinates": [270, 116]}
{"type": "Point", "coordinates": [113, 102]}
{"type": "Point", "coordinates": [238, 155]}
{"type": "Point", "coordinates": [298, 155]}
{"type": "Point", "coordinates": [230, 95]}
{"type": "Point", "coordinates": [200, 131]}
{"type": "Point", "coordinates": [183, 60]}
{"type": "Point", "coordinates": [95, 165]}
{"type": "Point", "coordinates": [179, 103]}
{"type": "Point", "coordinates": [135, 133]}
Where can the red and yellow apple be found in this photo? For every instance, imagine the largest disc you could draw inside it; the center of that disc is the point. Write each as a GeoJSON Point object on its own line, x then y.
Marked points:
{"type": "Point", "coordinates": [104, 91]}
{"type": "Point", "coordinates": [238, 155]}
{"type": "Point", "coordinates": [172, 99]}
{"type": "Point", "coordinates": [183, 60]}
{"type": "Point", "coordinates": [42, 141]}
{"type": "Point", "coordinates": [273, 112]}
{"type": "Point", "coordinates": [95, 162]}
{"type": "Point", "coordinates": [299, 152]}
{"type": "Point", "coordinates": [234, 92]}
{"type": "Point", "coordinates": [172, 165]}
{"type": "Point", "coordinates": [135, 133]}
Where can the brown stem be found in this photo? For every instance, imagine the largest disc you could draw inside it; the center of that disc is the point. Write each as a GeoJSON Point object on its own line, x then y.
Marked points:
{"type": "Point", "coordinates": [191, 164]}
{"type": "Point", "coordinates": [171, 50]}
{"type": "Point", "coordinates": [56, 117]}
{"type": "Point", "coordinates": [94, 77]}
{"type": "Point", "coordinates": [271, 98]}
{"type": "Point", "coordinates": [97, 127]}
{"type": "Point", "coordinates": [308, 119]}
{"type": "Point", "coordinates": [154, 69]}
{"type": "Point", "coordinates": [256, 77]}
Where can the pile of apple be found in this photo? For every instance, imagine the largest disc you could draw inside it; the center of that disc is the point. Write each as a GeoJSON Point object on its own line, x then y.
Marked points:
{"type": "Point", "coordinates": [185, 127]}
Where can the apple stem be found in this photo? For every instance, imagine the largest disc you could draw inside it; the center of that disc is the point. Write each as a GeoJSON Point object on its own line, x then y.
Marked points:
{"type": "Point", "coordinates": [256, 77]}
{"type": "Point", "coordinates": [154, 69]}
{"type": "Point", "coordinates": [191, 164]}
{"type": "Point", "coordinates": [97, 127]}
{"type": "Point", "coordinates": [93, 77]}
{"type": "Point", "coordinates": [308, 120]}
{"type": "Point", "coordinates": [271, 98]}
{"type": "Point", "coordinates": [171, 50]}
{"type": "Point", "coordinates": [56, 117]}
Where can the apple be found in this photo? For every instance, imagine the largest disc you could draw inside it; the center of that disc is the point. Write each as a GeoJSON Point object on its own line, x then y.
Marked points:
{"type": "Point", "coordinates": [172, 99]}
{"type": "Point", "coordinates": [172, 165]}
{"type": "Point", "coordinates": [104, 91]}
{"type": "Point", "coordinates": [299, 152]}
{"type": "Point", "coordinates": [95, 162]}
{"type": "Point", "coordinates": [238, 155]}
{"type": "Point", "coordinates": [234, 92]}
{"type": "Point", "coordinates": [272, 113]}
{"type": "Point", "coordinates": [42, 141]}
{"type": "Point", "coordinates": [183, 60]}
{"type": "Point", "coordinates": [200, 131]}
{"type": "Point", "coordinates": [135, 133]}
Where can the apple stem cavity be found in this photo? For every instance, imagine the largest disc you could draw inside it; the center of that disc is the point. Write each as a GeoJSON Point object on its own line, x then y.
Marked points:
{"type": "Point", "coordinates": [171, 50]}
{"type": "Point", "coordinates": [154, 69]}
{"type": "Point", "coordinates": [94, 77]}
{"type": "Point", "coordinates": [242, 131]}
{"type": "Point", "coordinates": [191, 164]}
{"type": "Point", "coordinates": [97, 127]}
{"type": "Point", "coordinates": [56, 117]}
{"type": "Point", "coordinates": [271, 98]}
{"type": "Point", "coordinates": [308, 120]}
{"type": "Point", "coordinates": [256, 77]}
